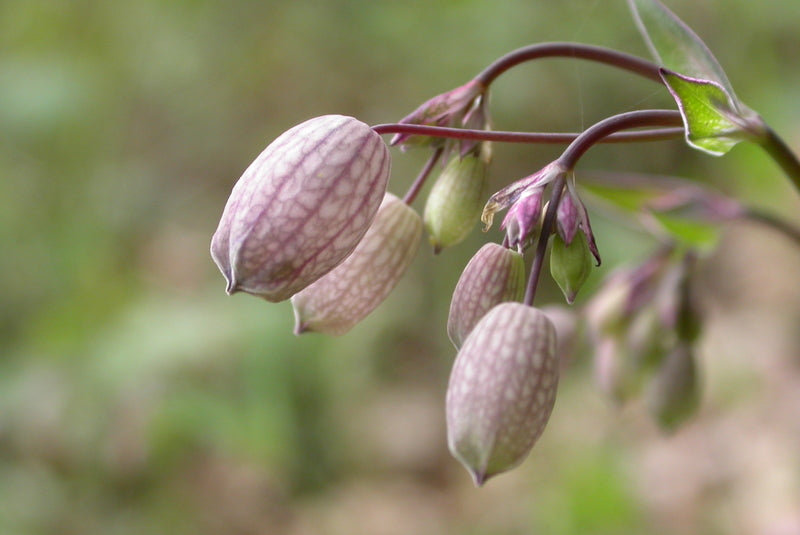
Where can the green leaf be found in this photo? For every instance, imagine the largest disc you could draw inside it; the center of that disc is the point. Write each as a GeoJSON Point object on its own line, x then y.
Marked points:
{"type": "Point", "coordinates": [675, 46]}
{"type": "Point", "coordinates": [712, 122]}
{"type": "Point", "coordinates": [697, 234]}
{"type": "Point", "coordinates": [626, 199]}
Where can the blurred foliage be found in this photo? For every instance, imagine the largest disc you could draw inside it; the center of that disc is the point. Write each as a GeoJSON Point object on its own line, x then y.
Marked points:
{"type": "Point", "coordinates": [135, 397]}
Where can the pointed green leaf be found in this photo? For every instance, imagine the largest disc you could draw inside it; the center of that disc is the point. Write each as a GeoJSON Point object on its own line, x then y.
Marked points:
{"type": "Point", "coordinates": [621, 197]}
{"type": "Point", "coordinates": [700, 235]}
{"type": "Point", "coordinates": [675, 46]}
{"type": "Point", "coordinates": [713, 123]}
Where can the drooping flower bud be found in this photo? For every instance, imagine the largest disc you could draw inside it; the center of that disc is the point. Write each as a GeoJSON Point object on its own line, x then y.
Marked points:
{"type": "Point", "coordinates": [502, 389]}
{"type": "Point", "coordinates": [572, 216]}
{"type": "Point", "coordinates": [301, 207]}
{"type": "Point", "coordinates": [673, 395]}
{"type": "Point", "coordinates": [614, 371]}
{"type": "Point", "coordinates": [454, 203]}
{"type": "Point", "coordinates": [643, 322]}
{"type": "Point", "coordinates": [570, 264]}
{"type": "Point", "coordinates": [347, 294]}
{"type": "Point", "coordinates": [492, 276]}
{"type": "Point", "coordinates": [477, 118]}
{"type": "Point", "coordinates": [446, 109]}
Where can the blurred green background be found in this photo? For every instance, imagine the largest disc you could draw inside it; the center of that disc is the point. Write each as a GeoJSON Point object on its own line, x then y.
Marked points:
{"type": "Point", "coordinates": [136, 397]}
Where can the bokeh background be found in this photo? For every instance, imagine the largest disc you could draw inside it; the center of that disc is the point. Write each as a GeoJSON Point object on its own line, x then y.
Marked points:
{"type": "Point", "coordinates": [136, 397]}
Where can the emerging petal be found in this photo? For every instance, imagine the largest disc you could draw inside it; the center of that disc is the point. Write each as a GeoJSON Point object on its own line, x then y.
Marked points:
{"type": "Point", "coordinates": [511, 193]}
{"type": "Point", "coordinates": [523, 219]}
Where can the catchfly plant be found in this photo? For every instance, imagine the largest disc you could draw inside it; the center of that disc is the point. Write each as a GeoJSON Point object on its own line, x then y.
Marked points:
{"type": "Point", "coordinates": [312, 220]}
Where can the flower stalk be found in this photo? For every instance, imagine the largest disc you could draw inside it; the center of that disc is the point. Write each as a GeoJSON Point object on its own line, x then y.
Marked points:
{"type": "Point", "coordinates": [598, 54]}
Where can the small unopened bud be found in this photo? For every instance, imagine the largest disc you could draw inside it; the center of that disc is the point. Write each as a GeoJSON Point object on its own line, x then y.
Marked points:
{"type": "Point", "coordinates": [339, 300]}
{"type": "Point", "coordinates": [502, 390]}
{"type": "Point", "coordinates": [674, 395]}
{"type": "Point", "coordinates": [570, 264]}
{"type": "Point", "coordinates": [446, 109]}
{"type": "Point", "coordinates": [454, 203]}
{"type": "Point", "coordinates": [492, 276]}
{"type": "Point", "coordinates": [572, 216]}
{"type": "Point", "coordinates": [301, 207]}
{"type": "Point", "coordinates": [511, 193]}
{"type": "Point", "coordinates": [523, 220]}
{"type": "Point", "coordinates": [614, 370]}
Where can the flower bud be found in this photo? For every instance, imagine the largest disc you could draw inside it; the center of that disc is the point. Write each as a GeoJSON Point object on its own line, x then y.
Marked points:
{"type": "Point", "coordinates": [502, 389]}
{"type": "Point", "coordinates": [446, 109]}
{"type": "Point", "coordinates": [572, 215]}
{"type": "Point", "coordinates": [674, 395]}
{"type": "Point", "coordinates": [523, 220]}
{"type": "Point", "coordinates": [492, 276]}
{"type": "Point", "coordinates": [454, 204]}
{"type": "Point", "coordinates": [512, 193]}
{"type": "Point", "coordinates": [301, 207]}
{"type": "Point", "coordinates": [614, 370]}
{"type": "Point", "coordinates": [346, 295]}
{"type": "Point", "coordinates": [570, 264]}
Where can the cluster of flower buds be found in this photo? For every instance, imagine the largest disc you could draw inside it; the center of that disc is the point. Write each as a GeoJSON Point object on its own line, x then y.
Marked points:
{"type": "Point", "coordinates": [643, 324]}
{"type": "Point", "coordinates": [572, 251]}
{"type": "Point", "coordinates": [503, 383]}
{"type": "Point", "coordinates": [306, 222]}
{"type": "Point", "coordinates": [311, 220]}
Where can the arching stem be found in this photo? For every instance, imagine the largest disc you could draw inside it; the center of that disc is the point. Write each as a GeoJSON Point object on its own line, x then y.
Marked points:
{"type": "Point", "coordinates": [782, 155]}
{"type": "Point", "coordinates": [569, 158]}
{"type": "Point", "coordinates": [607, 127]}
{"type": "Point", "coordinates": [599, 54]}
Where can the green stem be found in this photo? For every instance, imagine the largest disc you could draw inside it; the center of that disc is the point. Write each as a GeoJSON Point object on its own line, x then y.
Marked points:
{"type": "Point", "coordinates": [782, 154]}
{"type": "Point", "coordinates": [599, 54]}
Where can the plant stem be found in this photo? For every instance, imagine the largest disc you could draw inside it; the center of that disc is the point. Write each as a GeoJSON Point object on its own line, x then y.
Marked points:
{"type": "Point", "coordinates": [609, 126]}
{"type": "Point", "coordinates": [570, 50]}
{"type": "Point", "coordinates": [570, 157]}
{"type": "Point", "coordinates": [782, 154]}
{"type": "Point", "coordinates": [416, 186]}
{"type": "Point", "coordinates": [775, 223]}
{"type": "Point", "coordinates": [544, 236]}
{"type": "Point", "coordinates": [656, 134]}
